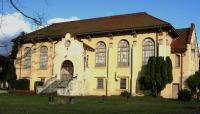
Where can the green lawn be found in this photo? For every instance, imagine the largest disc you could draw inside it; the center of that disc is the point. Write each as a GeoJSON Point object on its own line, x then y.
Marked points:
{"type": "Point", "coordinates": [18, 104]}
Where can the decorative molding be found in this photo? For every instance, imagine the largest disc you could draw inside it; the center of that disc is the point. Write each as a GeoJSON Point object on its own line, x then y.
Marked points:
{"type": "Point", "coordinates": [134, 43]}
{"type": "Point", "coordinates": [110, 45]}
{"type": "Point", "coordinates": [160, 41]}
{"type": "Point", "coordinates": [110, 35]}
{"type": "Point", "coordinates": [134, 34]}
{"type": "Point", "coordinates": [89, 37]}
{"type": "Point", "coordinates": [160, 32]}
{"type": "Point", "coordinates": [67, 43]}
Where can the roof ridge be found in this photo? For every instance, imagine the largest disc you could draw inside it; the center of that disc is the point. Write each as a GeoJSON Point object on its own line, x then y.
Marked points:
{"type": "Point", "coordinates": [103, 17]}
{"type": "Point", "coordinates": [158, 19]}
{"type": "Point", "coordinates": [183, 28]}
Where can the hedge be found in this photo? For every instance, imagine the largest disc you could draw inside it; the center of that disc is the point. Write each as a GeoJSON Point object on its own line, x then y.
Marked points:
{"type": "Point", "coordinates": [22, 84]}
{"type": "Point", "coordinates": [38, 83]}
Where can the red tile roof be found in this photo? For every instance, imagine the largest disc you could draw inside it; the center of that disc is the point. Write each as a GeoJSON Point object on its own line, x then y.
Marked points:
{"type": "Point", "coordinates": [180, 44]}
{"type": "Point", "coordinates": [134, 21]}
{"type": "Point", "coordinates": [111, 23]}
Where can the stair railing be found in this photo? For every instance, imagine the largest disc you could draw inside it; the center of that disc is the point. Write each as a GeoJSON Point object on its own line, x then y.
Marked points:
{"type": "Point", "coordinates": [46, 84]}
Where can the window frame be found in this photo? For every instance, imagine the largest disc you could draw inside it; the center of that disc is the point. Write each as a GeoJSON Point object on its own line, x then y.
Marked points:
{"type": "Point", "coordinates": [123, 49]}
{"type": "Point", "coordinates": [99, 51]}
{"type": "Point", "coordinates": [100, 85]}
{"type": "Point", "coordinates": [124, 87]}
{"type": "Point", "coordinates": [147, 50]}
{"type": "Point", "coordinates": [27, 58]}
{"type": "Point", "coordinates": [44, 54]}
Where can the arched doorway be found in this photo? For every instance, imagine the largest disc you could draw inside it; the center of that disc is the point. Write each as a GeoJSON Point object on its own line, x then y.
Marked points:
{"type": "Point", "coordinates": [67, 70]}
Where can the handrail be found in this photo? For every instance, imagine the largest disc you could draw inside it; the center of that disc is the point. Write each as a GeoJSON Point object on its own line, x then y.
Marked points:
{"type": "Point", "coordinates": [50, 80]}
{"type": "Point", "coordinates": [46, 84]}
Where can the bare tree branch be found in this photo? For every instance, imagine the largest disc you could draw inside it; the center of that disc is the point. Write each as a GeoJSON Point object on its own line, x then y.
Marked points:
{"type": "Point", "coordinates": [35, 20]}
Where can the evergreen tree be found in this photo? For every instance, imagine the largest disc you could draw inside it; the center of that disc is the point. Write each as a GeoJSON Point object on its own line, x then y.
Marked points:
{"type": "Point", "coordinates": [149, 73]}
{"type": "Point", "coordinates": [10, 73]}
{"type": "Point", "coordinates": [169, 70]}
{"type": "Point", "coordinates": [157, 74]}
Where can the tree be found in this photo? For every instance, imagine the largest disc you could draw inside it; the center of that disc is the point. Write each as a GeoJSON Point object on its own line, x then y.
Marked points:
{"type": "Point", "coordinates": [9, 73]}
{"type": "Point", "coordinates": [193, 83]}
{"type": "Point", "coordinates": [158, 73]}
{"type": "Point", "coordinates": [169, 70]}
{"type": "Point", "coordinates": [38, 20]}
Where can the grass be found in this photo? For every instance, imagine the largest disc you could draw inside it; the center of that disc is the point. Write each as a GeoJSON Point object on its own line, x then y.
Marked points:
{"type": "Point", "coordinates": [23, 104]}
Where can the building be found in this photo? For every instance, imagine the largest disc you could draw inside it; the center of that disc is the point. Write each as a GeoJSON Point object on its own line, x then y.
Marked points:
{"type": "Point", "coordinates": [104, 56]}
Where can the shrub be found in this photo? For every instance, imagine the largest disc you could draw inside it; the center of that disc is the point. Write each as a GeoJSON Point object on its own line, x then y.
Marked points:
{"type": "Point", "coordinates": [125, 94]}
{"type": "Point", "coordinates": [38, 83]}
{"type": "Point", "coordinates": [184, 95]}
{"type": "Point", "coordinates": [22, 84]}
{"type": "Point", "coordinates": [193, 83]}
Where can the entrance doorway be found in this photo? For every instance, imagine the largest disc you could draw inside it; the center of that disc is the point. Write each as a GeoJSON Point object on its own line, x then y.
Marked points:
{"type": "Point", "coordinates": [67, 70]}
{"type": "Point", "coordinates": [175, 90]}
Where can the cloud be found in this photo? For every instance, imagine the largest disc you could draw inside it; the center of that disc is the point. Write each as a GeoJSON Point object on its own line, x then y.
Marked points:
{"type": "Point", "coordinates": [58, 20]}
{"type": "Point", "coordinates": [11, 25]}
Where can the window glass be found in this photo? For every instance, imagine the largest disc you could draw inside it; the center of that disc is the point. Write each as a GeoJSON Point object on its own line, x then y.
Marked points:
{"type": "Point", "coordinates": [100, 83]}
{"type": "Point", "coordinates": [43, 57]}
{"type": "Point", "coordinates": [123, 53]}
{"type": "Point", "coordinates": [147, 50]}
{"type": "Point", "coordinates": [123, 83]}
{"type": "Point", "coordinates": [27, 58]}
{"type": "Point", "coordinates": [100, 54]}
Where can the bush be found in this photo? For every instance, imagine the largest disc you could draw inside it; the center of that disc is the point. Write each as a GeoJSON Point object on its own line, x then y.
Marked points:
{"type": "Point", "coordinates": [38, 83]}
{"type": "Point", "coordinates": [22, 84]}
{"type": "Point", "coordinates": [193, 83]}
{"type": "Point", "coordinates": [125, 94]}
{"type": "Point", "coordinates": [184, 95]}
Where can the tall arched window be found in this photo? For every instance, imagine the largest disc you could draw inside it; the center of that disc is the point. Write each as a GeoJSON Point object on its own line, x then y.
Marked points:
{"type": "Point", "coordinates": [100, 54]}
{"type": "Point", "coordinates": [123, 53]}
{"type": "Point", "coordinates": [43, 57]}
{"type": "Point", "coordinates": [147, 50]}
{"type": "Point", "coordinates": [27, 58]}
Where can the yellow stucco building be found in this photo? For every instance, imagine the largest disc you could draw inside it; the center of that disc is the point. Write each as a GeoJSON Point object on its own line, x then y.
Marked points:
{"type": "Point", "coordinates": [104, 56]}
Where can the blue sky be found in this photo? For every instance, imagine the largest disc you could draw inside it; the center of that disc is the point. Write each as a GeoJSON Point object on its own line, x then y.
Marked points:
{"type": "Point", "coordinates": [180, 13]}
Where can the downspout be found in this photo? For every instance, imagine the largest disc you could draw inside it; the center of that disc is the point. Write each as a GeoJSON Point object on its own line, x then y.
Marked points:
{"type": "Point", "coordinates": [107, 73]}
{"type": "Point", "coordinates": [181, 84]}
{"type": "Point", "coordinates": [157, 48]}
{"type": "Point", "coordinates": [131, 70]}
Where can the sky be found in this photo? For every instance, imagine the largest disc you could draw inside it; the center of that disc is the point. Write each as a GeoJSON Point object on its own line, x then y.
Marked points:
{"type": "Point", "coordinates": [180, 13]}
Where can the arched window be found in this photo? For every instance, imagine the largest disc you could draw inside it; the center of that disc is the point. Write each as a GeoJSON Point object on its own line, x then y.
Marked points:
{"type": "Point", "coordinates": [147, 50]}
{"type": "Point", "coordinates": [123, 53]}
{"type": "Point", "coordinates": [178, 63]}
{"type": "Point", "coordinates": [43, 57]}
{"type": "Point", "coordinates": [27, 58]}
{"type": "Point", "coordinates": [100, 54]}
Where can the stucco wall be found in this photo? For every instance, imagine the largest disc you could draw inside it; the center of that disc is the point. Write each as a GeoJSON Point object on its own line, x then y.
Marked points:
{"type": "Point", "coordinates": [86, 81]}
{"type": "Point", "coordinates": [34, 73]}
